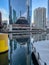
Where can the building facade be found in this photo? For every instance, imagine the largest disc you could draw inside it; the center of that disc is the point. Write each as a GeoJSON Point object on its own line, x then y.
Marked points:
{"type": "Point", "coordinates": [0, 17]}
{"type": "Point", "coordinates": [40, 22]}
{"type": "Point", "coordinates": [48, 9]}
{"type": "Point", "coordinates": [19, 8]}
{"type": "Point", "coordinates": [40, 17]}
{"type": "Point", "coordinates": [48, 15]}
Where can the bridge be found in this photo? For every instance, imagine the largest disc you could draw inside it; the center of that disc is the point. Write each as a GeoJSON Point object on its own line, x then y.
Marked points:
{"type": "Point", "coordinates": [17, 31]}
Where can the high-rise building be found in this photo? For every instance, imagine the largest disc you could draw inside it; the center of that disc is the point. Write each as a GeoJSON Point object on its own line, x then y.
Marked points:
{"type": "Point", "coordinates": [0, 20]}
{"type": "Point", "coordinates": [40, 17]}
{"type": "Point", "coordinates": [40, 22]}
{"type": "Point", "coordinates": [19, 8]}
{"type": "Point", "coordinates": [48, 15]}
{"type": "Point", "coordinates": [0, 17]}
{"type": "Point", "coordinates": [48, 9]}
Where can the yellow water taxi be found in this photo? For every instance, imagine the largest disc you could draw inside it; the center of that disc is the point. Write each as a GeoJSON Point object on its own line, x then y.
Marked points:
{"type": "Point", "coordinates": [3, 42]}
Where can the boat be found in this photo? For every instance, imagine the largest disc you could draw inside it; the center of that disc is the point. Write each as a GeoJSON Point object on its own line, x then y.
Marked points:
{"type": "Point", "coordinates": [3, 42]}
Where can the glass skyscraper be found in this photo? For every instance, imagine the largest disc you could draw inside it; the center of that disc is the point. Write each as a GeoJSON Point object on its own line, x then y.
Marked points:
{"type": "Point", "coordinates": [48, 14]}
{"type": "Point", "coordinates": [48, 10]}
{"type": "Point", "coordinates": [18, 8]}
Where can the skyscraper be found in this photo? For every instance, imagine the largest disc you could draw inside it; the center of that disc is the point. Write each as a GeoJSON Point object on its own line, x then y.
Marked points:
{"type": "Point", "coordinates": [0, 17]}
{"type": "Point", "coordinates": [40, 22]}
{"type": "Point", "coordinates": [40, 17]}
{"type": "Point", "coordinates": [48, 10]}
{"type": "Point", "coordinates": [0, 20]}
{"type": "Point", "coordinates": [19, 8]}
{"type": "Point", "coordinates": [48, 15]}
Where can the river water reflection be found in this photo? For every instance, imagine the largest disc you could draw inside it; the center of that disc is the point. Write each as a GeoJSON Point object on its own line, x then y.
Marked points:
{"type": "Point", "coordinates": [19, 48]}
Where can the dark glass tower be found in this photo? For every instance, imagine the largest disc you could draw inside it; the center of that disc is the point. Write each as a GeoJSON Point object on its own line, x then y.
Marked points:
{"type": "Point", "coordinates": [0, 17]}
{"type": "Point", "coordinates": [48, 10]}
{"type": "Point", "coordinates": [0, 20]}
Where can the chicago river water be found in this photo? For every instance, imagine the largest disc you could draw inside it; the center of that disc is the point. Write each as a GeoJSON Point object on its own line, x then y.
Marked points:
{"type": "Point", "coordinates": [19, 50]}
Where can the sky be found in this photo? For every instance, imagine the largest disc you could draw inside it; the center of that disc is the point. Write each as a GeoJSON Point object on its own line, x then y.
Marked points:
{"type": "Point", "coordinates": [4, 7]}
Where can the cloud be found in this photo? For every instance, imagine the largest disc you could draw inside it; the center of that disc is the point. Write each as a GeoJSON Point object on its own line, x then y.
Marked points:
{"type": "Point", "coordinates": [25, 14]}
{"type": "Point", "coordinates": [5, 15]}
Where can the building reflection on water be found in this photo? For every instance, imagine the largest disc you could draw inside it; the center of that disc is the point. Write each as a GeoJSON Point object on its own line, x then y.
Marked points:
{"type": "Point", "coordinates": [15, 45]}
{"type": "Point", "coordinates": [16, 49]}
{"type": "Point", "coordinates": [40, 37]}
